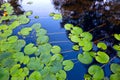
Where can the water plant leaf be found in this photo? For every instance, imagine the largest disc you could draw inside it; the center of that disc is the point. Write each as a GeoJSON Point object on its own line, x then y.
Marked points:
{"type": "Point", "coordinates": [75, 38]}
{"type": "Point", "coordinates": [41, 32]}
{"type": "Point", "coordinates": [68, 26]}
{"type": "Point", "coordinates": [115, 76]}
{"type": "Point", "coordinates": [102, 45]}
{"type": "Point", "coordinates": [87, 36]}
{"type": "Point", "coordinates": [36, 26]}
{"type": "Point", "coordinates": [30, 49]}
{"type": "Point", "coordinates": [96, 71]}
{"type": "Point", "coordinates": [56, 49]}
{"type": "Point", "coordinates": [61, 75]}
{"type": "Point", "coordinates": [117, 36]}
{"type": "Point", "coordinates": [102, 57]}
{"type": "Point", "coordinates": [87, 46]}
{"type": "Point", "coordinates": [12, 39]}
{"type": "Point", "coordinates": [87, 77]}
{"type": "Point", "coordinates": [57, 16]}
{"type": "Point", "coordinates": [42, 39]}
{"type": "Point", "coordinates": [4, 74]}
{"type": "Point", "coordinates": [28, 13]}
{"type": "Point", "coordinates": [76, 30]}
{"type": "Point", "coordinates": [85, 58]}
{"type": "Point", "coordinates": [117, 47]}
{"type": "Point", "coordinates": [35, 64]}
{"type": "Point", "coordinates": [36, 17]}
{"type": "Point", "coordinates": [51, 14]}
{"type": "Point", "coordinates": [68, 65]}
{"type": "Point", "coordinates": [75, 47]}
{"type": "Point", "coordinates": [35, 76]}
{"type": "Point", "coordinates": [57, 57]}
{"type": "Point", "coordinates": [45, 58]}
{"type": "Point", "coordinates": [25, 31]}
{"type": "Point", "coordinates": [115, 68]}
{"type": "Point", "coordinates": [23, 19]}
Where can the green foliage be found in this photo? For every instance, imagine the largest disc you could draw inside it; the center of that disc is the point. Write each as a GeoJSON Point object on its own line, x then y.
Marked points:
{"type": "Point", "coordinates": [96, 72]}
{"type": "Point", "coordinates": [68, 26]}
{"type": "Point", "coordinates": [16, 62]}
{"type": "Point", "coordinates": [57, 16]}
{"type": "Point", "coordinates": [102, 57]}
{"type": "Point", "coordinates": [117, 36]}
{"type": "Point", "coordinates": [85, 58]}
{"type": "Point", "coordinates": [25, 31]}
{"type": "Point", "coordinates": [30, 49]}
{"type": "Point", "coordinates": [115, 68]}
{"type": "Point", "coordinates": [75, 47]}
{"type": "Point", "coordinates": [68, 65]}
{"type": "Point", "coordinates": [56, 49]}
{"type": "Point", "coordinates": [102, 45]}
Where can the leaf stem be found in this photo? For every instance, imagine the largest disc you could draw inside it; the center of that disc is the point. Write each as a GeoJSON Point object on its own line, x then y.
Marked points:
{"type": "Point", "coordinates": [56, 33]}
{"type": "Point", "coordinates": [60, 42]}
{"type": "Point", "coordinates": [67, 51]}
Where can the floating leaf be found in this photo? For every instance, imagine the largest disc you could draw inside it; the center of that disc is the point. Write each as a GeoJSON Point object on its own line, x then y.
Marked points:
{"type": "Point", "coordinates": [23, 19]}
{"type": "Point", "coordinates": [61, 75]}
{"type": "Point", "coordinates": [115, 76]}
{"type": "Point", "coordinates": [87, 36]}
{"type": "Point", "coordinates": [97, 72]}
{"type": "Point", "coordinates": [102, 45]}
{"type": "Point", "coordinates": [68, 26]}
{"type": "Point", "coordinates": [85, 58]}
{"type": "Point", "coordinates": [42, 39]}
{"type": "Point", "coordinates": [87, 46]}
{"type": "Point", "coordinates": [51, 14]}
{"type": "Point", "coordinates": [12, 39]}
{"type": "Point", "coordinates": [56, 49]}
{"type": "Point", "coordinates": [36, 26]}
{"type": "Point", "coordinates": [76, 47]}
{"type": "Point", "coordinates": [68, 65]}
{"type": "Point", "coordinates": [102, 57]}
{"type": "Point", "coordinates": [28, 13]}
{"type": "Point", "coordinates": [35, 64]}
{"type": "Point", "coordinates": [45, 58]}
{"type": "Point", "coordinates": [35, 76]}
{"type": "Point", "coordinates": [57, 57]}
{"type": "Point", "coordinates": [25, 31]}
{"type": "Point", "coordinates": [75, 38]}
{"type": "Point", "coordinates": [115, 68]}
{"type": "Point", "coordinates": [30, 49]}
{"type": "Point", "coordinates": [117, 47]}
{"type": "Point", "coordinates": [57, 16]}
{"type": "Point", "coordinates": [41, 32]}
{"type": "Point", "coordinates": [4, 74]}
{"type": "Point", "coordinates": [36, 17]}
{"type": "Point", "coordinates": [117, 36]}
{"type": "Point", "coordinates": [76, 30]}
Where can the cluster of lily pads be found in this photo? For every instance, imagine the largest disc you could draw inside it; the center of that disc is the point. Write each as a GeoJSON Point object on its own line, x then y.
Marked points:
{"type": "Point", "coordinates": [20, 60]}
{"type": "Point", "coordinates": [83, 41]}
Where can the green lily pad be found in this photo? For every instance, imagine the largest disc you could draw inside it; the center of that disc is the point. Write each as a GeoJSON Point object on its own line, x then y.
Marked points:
{"type": "Point", "coordinates": [68, 26]}
{"type": "Point", "coordinates": [117, 36]}
{"type": "Point", "coordinates": [51, 14]}
{"type": "Point", "coordinates": [85, 58]}
{"type": "Point", "coordinates": [96, 71]}
{"type": "Point", "coordinates": [4, 74]}
{"type": "Point", "coordinates": [57, 57]}
{"type": "Point", "coordinates": [30, 49]}
{"type": "Point", "coordinates": [86, 36]}
{"type": "Point", "coordinates": [117, 47]}
{"type": "Point", "coordinates": [57, 16]}
{"type": "Point", "coordinates": [76, 30]}
{"type": "Point", "coordinates": [23, 19]}
{"type": "Point", "coordinates": [102, 57]}
{"type": "Point", "coordinates": [115, 76]}
{"type": "Point", "coordinates": [56, 49]}
{"type": "Point", "coordinates": [115, 68]}
{"type": "Point", "coordinates": [75, 38]}
{"type": "Point", "coordinates": [28, 13]}
{"type": "Point", "coordinates": [36, 26]}
{"type": "Point", "coordinates": [68, 65]}
{"type": "Point", "coordinates": [102, 45]}
{"type": "Point", "coordinates": [35, 76]}
{"type": "Point", "coordinates": [61, 75]}
{"type": "Point", "coordinates": [25, 31]}
{"type": "Point", "coordinates": [35, 64]}
{"type": "Point", "coordinates": [42, 39]}
{"type": "Point", "coordinates": [12, 39]}
{"type": "Point", "coordinates": [76, 47]}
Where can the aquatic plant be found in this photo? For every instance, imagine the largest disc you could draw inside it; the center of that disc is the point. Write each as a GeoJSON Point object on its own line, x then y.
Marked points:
{"type": "Point", "coordinates": [20, 60]}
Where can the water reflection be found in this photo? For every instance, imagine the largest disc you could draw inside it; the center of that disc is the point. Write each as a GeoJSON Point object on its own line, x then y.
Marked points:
{"type": "Point", "coordinates": [99, 17]}
{"type": "Point", "coordinates": [16, 4]}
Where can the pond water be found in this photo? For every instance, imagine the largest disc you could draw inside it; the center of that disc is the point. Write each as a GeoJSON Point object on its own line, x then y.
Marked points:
{"type": "Point", "coordinates": [59, 36]}
{"type": "Point", "coordinates": [43, 8]}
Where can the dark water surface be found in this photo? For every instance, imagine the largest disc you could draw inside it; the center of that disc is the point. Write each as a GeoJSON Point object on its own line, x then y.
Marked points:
{"type": "Point", "coordinates": [57, 36]}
